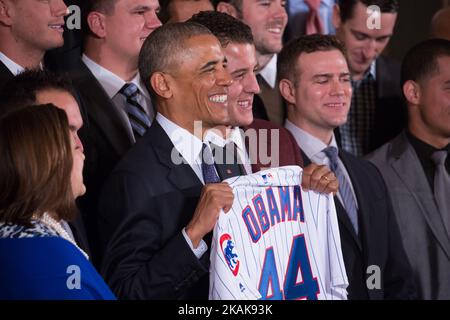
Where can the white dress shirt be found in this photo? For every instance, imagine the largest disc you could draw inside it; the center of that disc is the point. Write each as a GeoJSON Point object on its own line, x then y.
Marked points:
{"type": "Point", "coordinates": [313, 147]}
{"type": "Point", "coordinates": [112, 84]}
{"type": "Point", "coordinates": [237, 136]}
{"type": "Point", "coordinates": [11, 65]}
{"type": "Point", "coordinates": [269, 72]}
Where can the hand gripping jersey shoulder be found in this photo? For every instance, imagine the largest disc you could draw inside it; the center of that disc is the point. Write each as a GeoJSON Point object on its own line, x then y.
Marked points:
{"type": "Point", "coordinates": [277, 241]}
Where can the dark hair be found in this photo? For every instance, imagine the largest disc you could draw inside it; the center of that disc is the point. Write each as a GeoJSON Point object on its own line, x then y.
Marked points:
{"type": "Point", "coordinates": [225, 27]}
{"type": "Point", "coordinates": [346, 7]}
{"type": "Point", "coordinates": [88, 6]}
{"type": "Point", "coordinates": [421, 61]}
{"type": "Point", "coordinates": [287, 59]}
{"type": "Point", "coordinates": [162, 47]}
{"type": "Point", "coordinates": [36, 164]}
{"type": "Point", "coordinates": [163, 13]}
{"type": "Point", "coordinates": [22, 89]}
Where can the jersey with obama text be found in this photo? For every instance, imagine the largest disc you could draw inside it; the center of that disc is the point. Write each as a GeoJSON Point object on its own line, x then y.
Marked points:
{"type": "Point", "coordinates": [277, 242]}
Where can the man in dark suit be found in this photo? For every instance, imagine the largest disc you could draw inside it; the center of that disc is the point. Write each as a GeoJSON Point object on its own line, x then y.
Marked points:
{"type": "Point", "coordinates": [376, 114]}
{"type": "Point", "coordinates": [260, 144]}
{"type": "Point", "coordinates": [40, 87]}
{"type": "Point", "coordinates": [155, 208]}
{"type": "Point", "coordinates": [315, 81]}
{"type": "Point", "coordinates": [110, 88]}
{"type": "Point", "coordinates": [411, 175]}
{"type": "Point", "coordinates": [27, 30]}
{"type": "Point", "coordinates": [155, 227]}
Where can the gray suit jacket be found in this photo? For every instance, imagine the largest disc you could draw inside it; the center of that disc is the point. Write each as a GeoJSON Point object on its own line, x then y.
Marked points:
{"type": "Point", "coordinates": [426, 242]}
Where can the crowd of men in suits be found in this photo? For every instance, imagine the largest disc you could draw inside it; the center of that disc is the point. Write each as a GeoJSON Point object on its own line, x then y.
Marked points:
{"type": "Point", "coordinates": [137, 88]}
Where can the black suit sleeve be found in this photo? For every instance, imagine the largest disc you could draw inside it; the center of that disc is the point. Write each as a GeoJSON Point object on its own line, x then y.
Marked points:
{"type": "Point", "coordinates": [147, 256]}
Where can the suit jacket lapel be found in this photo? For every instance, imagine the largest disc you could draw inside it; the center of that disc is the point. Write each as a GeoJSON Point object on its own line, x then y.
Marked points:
{"type": "Point", "coordinates": [362, 204]}
{"type": "Point", "coordinates": [181, 175]}
{"type": "Point", "coordinates": [404, 162]}
{"type": "Point", "coordinates": [102, 112]}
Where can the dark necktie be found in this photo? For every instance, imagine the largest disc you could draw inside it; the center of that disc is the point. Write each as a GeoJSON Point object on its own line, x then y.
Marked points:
{"type": "Point", "coordinates": [226, 161]}
{"type": "Point", "coordinates": [208, 169]}
{"type": "Point", "coordinates": [442, 187]}
{"type": "Point", "coordinates": [139, 119]}
{"type": "Point", "coordinates": [344, 187]}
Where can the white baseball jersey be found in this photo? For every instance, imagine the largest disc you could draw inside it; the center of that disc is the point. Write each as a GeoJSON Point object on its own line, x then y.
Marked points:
{"type": "Point", "coordinates": [277, 242]}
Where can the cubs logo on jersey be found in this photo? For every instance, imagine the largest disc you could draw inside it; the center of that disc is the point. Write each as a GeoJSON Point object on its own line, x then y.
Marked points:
{"type": "Point", "coordinates": [277, 242]}
{"type": "Point", "coordinates": [227, 246]}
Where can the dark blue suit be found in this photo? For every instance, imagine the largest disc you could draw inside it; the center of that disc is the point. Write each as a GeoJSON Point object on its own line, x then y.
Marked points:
{"type": "Point", "coordinates": [144, 205]}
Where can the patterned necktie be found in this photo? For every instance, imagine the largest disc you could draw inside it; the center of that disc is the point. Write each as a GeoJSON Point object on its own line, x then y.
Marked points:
{"type": "Point", "coordinates": [442, 186]}
{"type": "Point", "coordinates": [139, 119]}
{"type": "Point", "coordinates": [208, 169]}
{"type": "Point", "coordinates": [344, 187]}
{"type": "Point", "coordinates": [313, 23]}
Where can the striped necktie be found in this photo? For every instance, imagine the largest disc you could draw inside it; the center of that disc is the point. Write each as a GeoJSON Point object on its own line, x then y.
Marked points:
{"type": "Point", "coordinates": [139, 119]}
{"type": "Point", "coordinates": [344, 187]}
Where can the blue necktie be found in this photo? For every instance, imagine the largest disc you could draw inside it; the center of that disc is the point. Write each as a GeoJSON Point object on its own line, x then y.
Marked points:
{"type": "Point", "coordinates": [139, 119]}
{"type": "Point", "coordinates": [208, 168]}
{"type": "Point", "coordinates": [344, 187]}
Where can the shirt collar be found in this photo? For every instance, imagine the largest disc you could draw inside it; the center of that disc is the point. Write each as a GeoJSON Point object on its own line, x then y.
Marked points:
{"type": "Point", "coordinates": [269, 72]}
{"type": "Point", "coordinates": [236, 136]}
{"type": "Point", "coordinates": [423, 149]}
{"type": "Point", "coordinates": [11, 65]}
{"type": "Point", "coordinates": [373, 69]}
{"type": "Point", "coordinates": [310, 145]}
{"type": "Point", "coordinates": [110, 82]}
{"type": "Point", "coordinates": [188, 145]}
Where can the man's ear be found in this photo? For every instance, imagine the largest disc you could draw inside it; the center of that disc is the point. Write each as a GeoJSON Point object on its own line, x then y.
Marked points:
{"type": "Point", "coordinates": [227, 8]}
{"type": "Point", "coordinates": [336, 16]}
{"type": "Point", "coordinates": [161, 84]}
{"type": "Point", "coordinates": [97, 24]}
{"type": "Point", "coordinates": [411, 90]}
{"type": "Point", "coordinates": [5, 13]}
{"type": "Point", "coordinates": [287, 90]}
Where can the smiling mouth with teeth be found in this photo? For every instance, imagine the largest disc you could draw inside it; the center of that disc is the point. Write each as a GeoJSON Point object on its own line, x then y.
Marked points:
{"type": "Point", "coordinates": [275, 30]}
{"type": "Point", "coordinates": [244, 104]}
{"type": "Point", "coordinates": [335, 105]}
{"type": "Point", "coordinates": [57, 27]}
{"type": "Point", "coordinates": [222, 98]}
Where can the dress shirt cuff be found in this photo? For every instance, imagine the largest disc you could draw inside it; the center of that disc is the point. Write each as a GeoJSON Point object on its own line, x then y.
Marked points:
{"type": "Point", "coordinates": [200, 250]}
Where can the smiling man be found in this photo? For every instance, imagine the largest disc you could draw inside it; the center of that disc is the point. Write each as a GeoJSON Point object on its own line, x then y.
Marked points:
{"type": "Point", "coordinates": [376, 115]}
{"type": "Point", "coordinates": [267, 19]}
{"type": "Point", "coordinates": [315, 81]}
{"type": "Point", "coordinates": [28, 28]}
{"type": "Point", "coordinates": [119, 108]}
{"type": "Point", "coordinates": [158, 210]}
{"type": "Point", "coordinates": [238, 46]}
